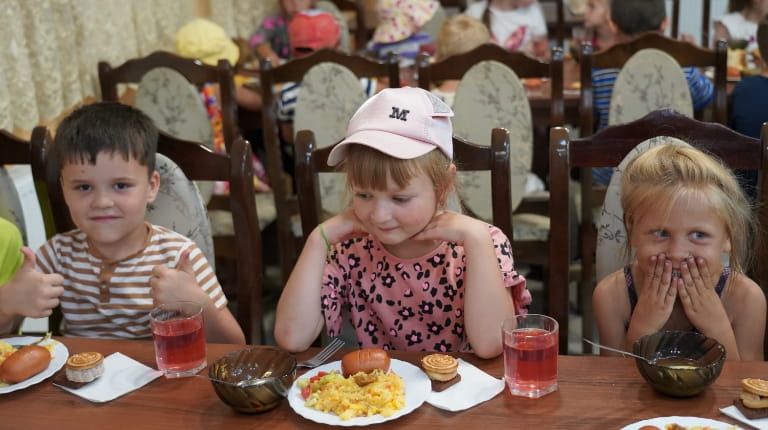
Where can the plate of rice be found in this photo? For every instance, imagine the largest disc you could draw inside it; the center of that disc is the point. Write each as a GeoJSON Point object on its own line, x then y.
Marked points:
{"type": "Point", "coordinates": [415, 383]}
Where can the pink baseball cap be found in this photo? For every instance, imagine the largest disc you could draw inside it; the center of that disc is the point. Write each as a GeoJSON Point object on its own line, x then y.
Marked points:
{"type": "Point", "coordinates": [403, 122]}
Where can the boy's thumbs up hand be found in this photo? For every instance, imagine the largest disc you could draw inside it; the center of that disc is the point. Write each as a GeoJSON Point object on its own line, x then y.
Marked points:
{"type": "Point", "coordinates": [31, 293]}
{"type": "Point", "coordinates": [184, 264]}
{"type": "Point", "coordinates": [175, 283]}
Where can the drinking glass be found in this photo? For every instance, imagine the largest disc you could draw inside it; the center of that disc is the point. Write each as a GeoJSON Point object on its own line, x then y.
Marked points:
{"type": "Point", "coordinates": [179, 337]}
{"type": "Point", "coordinates": [530, 354]}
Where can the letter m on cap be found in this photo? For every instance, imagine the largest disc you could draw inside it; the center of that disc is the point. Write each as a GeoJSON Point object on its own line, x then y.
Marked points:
{"type": "Point", "coordinates": [402, 115]}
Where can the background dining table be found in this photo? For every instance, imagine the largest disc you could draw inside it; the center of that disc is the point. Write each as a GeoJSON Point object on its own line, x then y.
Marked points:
{"type": "Point", "coordinates": [594, 393]}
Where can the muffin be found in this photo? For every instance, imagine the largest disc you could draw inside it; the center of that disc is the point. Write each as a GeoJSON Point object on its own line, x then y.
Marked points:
{"type": "Point", "coordinates": [85, 367]}
{"type": "Point", "coordinates": [442, 370]}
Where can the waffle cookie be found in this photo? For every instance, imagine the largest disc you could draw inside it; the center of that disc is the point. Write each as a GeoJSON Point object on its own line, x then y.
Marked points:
{"type": "Point", "coordinates": [442, 370]}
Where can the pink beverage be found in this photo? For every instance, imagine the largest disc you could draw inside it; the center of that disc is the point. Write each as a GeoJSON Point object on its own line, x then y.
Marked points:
{"type": "Point", "coordinates": [179, 339]}
{"type": "Point", "coordinates": [530, 361]}
{"type": "Point", "coordinates": [180, 345]}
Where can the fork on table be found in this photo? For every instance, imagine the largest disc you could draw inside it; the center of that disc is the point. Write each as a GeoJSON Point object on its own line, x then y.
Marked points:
{"type": "Point", "coordinates": [326, 353]}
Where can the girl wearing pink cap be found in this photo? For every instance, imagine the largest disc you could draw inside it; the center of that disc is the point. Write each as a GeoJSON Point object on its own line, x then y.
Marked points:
{"type": "Point", "coordinates": [410, 273]}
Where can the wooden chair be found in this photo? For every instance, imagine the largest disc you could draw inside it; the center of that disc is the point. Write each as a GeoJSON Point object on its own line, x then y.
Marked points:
{"type": "Point", "coordinates": [197, 73]}
{"type": "Point", "coordinates": [531, 249]}
{"type": "Point", "coordinates": [311, 161]}
{"type": "Point", "coordinates": [200, 163]}
{"type": "Point", "coordinates": [684, 53]}
{"type": "Point", "coordinates": [676, 17]}
{"type": "Point", "coordinates": [558, 24]}
{"type": "Point", "coordinates": [607, 148]}
{"type": "Point", "coordinates": [289, 72]}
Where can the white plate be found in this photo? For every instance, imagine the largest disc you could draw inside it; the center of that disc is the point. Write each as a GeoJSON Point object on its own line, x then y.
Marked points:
{"type": "Point", "coordinates": [661, 422]}
{"type": "Point", "coordinates": [417, 389]}
{"type": "Point", "coordinates": [60, 354]}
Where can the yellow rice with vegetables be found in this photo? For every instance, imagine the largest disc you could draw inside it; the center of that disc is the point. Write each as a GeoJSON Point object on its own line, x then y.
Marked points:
{"type": "Point", "coordinates": [342, 396]}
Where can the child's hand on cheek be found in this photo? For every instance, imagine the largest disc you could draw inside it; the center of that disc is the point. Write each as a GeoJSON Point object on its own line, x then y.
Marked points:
{"type": "Point", "coordinates": [656, 297]}
{"type": "Point", "coordinates": [696, 288]}
{"type": "Point", "coordinates": [178, 283]}
{"type": "Point", "coordinates": [453, 227]}
{"type": "Point", "coordinates": [343, 226]}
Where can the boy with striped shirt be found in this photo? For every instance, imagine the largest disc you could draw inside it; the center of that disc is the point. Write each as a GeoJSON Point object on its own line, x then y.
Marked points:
{"type": "Point", "coordinates": [116, 266]}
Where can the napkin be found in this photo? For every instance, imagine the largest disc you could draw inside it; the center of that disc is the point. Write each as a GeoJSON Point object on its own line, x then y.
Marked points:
{"type": "Point", "coordinates": [733, 412]}
{"type": "Point", "coordinates": [474, 388]}
{"type": "Point", "coordinates": [122, 375]}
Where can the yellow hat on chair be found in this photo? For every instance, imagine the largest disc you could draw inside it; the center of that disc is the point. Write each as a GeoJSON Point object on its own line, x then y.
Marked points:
{"type": "Point", "coordinates": [206, 41]}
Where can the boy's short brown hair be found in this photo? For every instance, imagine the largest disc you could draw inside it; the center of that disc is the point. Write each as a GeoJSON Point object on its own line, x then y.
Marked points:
{"type": "Point", "coordinates": [106, 127]}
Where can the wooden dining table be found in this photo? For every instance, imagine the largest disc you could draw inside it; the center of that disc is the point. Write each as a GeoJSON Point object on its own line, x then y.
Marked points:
{"type": "Point", "coordinates": [594, 393]}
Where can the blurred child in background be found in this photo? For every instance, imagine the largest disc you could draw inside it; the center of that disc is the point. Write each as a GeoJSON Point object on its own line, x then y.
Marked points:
{"type": "Point", "coordinates": [400, 30]}
{"type": "Point", "coordinates": [517, 25]}
{"type": "Point", "coordinates": [747, 110]}
{"type": "Point", "coordinates": [740, 23]}
{"type": "Point", "coordinates": [597, 17]}
{"type": "Point", "coordinates": [459, 34]}
{"type": "Point", "coordinates": [206, 41]}
{"type": "Point", "coordinates": [271, 40]}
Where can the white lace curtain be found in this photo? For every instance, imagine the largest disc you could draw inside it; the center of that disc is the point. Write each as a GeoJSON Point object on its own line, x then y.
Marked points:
{"type": "Point", "coordinates": [49, 49]}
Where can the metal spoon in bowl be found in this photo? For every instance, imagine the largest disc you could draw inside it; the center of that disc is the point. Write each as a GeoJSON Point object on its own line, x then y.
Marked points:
{"type": "Point", "coordinates": [240, 384]}
{"type": "Point", "coordinates": [649, 361]}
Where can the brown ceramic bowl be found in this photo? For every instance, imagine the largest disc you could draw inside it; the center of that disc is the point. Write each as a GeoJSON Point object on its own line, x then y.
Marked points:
{"type": "Point", "coordinates": [261, 362]}
{"type": "Point", "coordinates": [685, 363]}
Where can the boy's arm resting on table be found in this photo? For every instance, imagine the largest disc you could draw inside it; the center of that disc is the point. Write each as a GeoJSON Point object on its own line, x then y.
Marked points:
{"type": "Point", "coordinates": [299, 317]}
{"type": "Point", "coordinates": [220, 325]}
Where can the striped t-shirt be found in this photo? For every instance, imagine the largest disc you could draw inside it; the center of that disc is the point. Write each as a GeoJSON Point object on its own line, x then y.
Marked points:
{"type": "Point", "coordinates": [111, 299]}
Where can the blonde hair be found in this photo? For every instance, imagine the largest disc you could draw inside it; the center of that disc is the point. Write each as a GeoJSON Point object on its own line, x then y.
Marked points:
{"type": "Point", "coordinates": [459, 34]}
{"type": "Point", "coordinates": [666, 173]}
{"type": "Point", "coordinates": [368, 168]}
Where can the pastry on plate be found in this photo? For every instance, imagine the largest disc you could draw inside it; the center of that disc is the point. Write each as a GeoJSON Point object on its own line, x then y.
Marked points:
{"type": "Point", "coordinates": [442, 370]}
{"type": "Point", "coordinates": [85, 366]}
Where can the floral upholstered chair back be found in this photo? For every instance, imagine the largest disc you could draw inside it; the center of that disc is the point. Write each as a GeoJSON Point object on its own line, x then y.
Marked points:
{"type": "Point", "coordinates": [329, 96]}
{"type": "Point", "coordinates": [651, 79]}
{"type": "Point", "coordinates": [180, 207]}
{"type": "Point", "coordinates": [491, 95]}
{"type": "Point", "coordinates": [176, 107]}
{"type": "Point", "coordinates": [10, 203]}
{"type": "Point", "coordinates": [611, 233]}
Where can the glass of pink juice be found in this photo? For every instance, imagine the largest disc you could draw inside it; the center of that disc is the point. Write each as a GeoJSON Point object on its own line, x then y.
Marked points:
{"type": "Point", "coordinates": [179, 337]}
{"type": "Point", "coordinates": [530, 354]}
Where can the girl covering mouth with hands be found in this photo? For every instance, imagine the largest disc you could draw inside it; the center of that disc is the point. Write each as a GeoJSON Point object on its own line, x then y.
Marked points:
{"type": "Point", "coordinates": [682, 211]}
